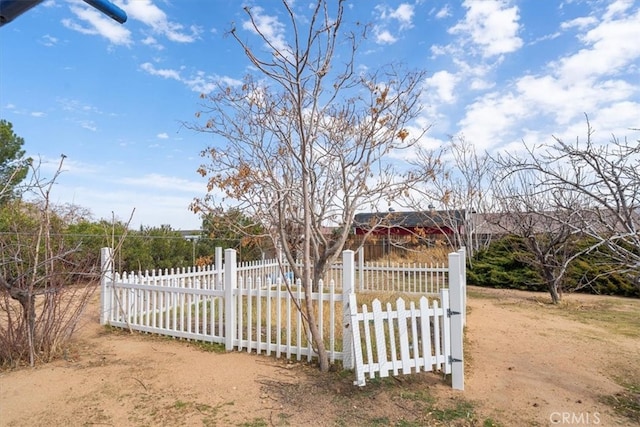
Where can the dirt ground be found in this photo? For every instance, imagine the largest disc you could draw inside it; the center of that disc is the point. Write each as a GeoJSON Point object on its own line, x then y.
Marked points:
{"type": "Point", "coordinates": [527, 364]}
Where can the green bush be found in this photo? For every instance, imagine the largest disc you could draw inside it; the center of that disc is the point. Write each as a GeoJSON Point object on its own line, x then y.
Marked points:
{"type": "Point", "coordinates": [501, 266]}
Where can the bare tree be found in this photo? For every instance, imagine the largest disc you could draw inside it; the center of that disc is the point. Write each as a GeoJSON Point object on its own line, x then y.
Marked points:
{"type": "Point", "coordinates": [526, 207]}
{"type": "Point", "coordinates": [455, 179]}
{"type": "Point", "coordinates": [305, 141]}
{"type": "Point", "coordinates": [605, 179]}
{"type": "Point", "coordinates": [567, 200]}
{"type": "Point", "coordinates": [43, 291]}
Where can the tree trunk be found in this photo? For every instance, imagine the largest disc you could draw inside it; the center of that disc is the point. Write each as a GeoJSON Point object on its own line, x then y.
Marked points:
{"type": "Point", "coordinates": [318, 343]}
{"type": "Point", "coordinates": [552, 285]}
{"type": "Point", "coordinates": [555, 295]}
{"type": "Point", "coordinates": [28, 303]}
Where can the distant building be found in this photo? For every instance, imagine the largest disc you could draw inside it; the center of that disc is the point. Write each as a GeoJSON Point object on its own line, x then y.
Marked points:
{"type": "Point", "coordinates": [396, 232]}
{"type": "Point", "coordinates": [420, 223]}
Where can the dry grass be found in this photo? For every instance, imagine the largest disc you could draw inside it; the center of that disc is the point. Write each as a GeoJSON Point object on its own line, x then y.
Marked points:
{"type": "Point", "coordinates": [436, 255]}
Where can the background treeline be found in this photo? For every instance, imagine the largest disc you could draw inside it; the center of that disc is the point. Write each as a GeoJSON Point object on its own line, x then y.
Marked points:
{"type": "Point", "coordinates": [146, 248]}
{"type": "Point", "coordinates": [504, 264]}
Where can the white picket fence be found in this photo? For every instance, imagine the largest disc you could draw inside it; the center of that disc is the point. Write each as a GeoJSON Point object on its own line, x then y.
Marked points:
{"type": "Point", "coordinates": [248, 307]}
{"type": "Point", "coordinates": [410, 339]}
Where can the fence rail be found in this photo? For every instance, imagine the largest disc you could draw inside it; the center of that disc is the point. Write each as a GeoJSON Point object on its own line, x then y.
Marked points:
{"type": "Point", "coordinates": [256, 307]}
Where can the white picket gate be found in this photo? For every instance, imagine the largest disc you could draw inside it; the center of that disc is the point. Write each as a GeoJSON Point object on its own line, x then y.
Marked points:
{"type": "Point", "coordinates": [243, 308]}
{"type": "Point", "coordinates": [410, 339]}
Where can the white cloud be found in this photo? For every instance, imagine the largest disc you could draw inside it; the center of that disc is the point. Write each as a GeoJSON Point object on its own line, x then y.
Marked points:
{"type": "Point", "coordinates": [491, 25]}
{"type": "Point", "coordinates": [596, 79]}
{"type": "Point", "coordinates": [269, 26]}
{"type": "Point", "coordinates": [445, 12]}
{"type": "Point", "coordinates": [97, 23]}
{"type": "Point", "coordinates": [619, 117]}
{"type": "Point", "coordinates": [404, 14]}
{"type": "Point", "coordinates": [566, 101]}
{"type": "Point", "coordinates": [610, 46]}
{"type": "Point", "coordinates": [146, 205]}
{"type": "Point", "coordinates": [444, 83]}
{"type": "Point", "coordinates": [388, 17]}
{"type": "Point", "coordinates": [89, 125]}
{"type": "Point", "coordinates": [94, 22]}
{"type": "Point", "coordinates": [163, 135]}
{"type": "Point", "coordinates": [153, 42]}
{"type": "Point", "coordinates": [76, 106]}
{"type": "Point", "coordinates": [481, 84]}
{"type": "Point", "coordinates": [490, 118]}
{"type": "Point", "coordinates": [199, 82]}
{"type": "Point", "coordinates": [166, 73]}
{"type": "Point", "coordinates": [618, 8]}
{"type": "Point", "coordinates": [48, 40]}
{"type": "Point", "coordinates": [385, 37]}
{"type": "Point", "coordinates": [150, 14]}
{"type": "Point", "coordinates": [164, 182]}
{"type": "Point", "coordinates": [38, 114]}
{"type": "Point", "coordinates": [580, 23]}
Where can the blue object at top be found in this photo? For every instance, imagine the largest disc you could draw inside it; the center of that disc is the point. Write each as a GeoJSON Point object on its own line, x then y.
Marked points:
{"type": "Point", "coordinates": [11, 9]}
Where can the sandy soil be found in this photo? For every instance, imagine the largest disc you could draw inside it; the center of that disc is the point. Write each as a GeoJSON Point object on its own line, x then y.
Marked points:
{"type": "Point", "coordinates": [527, 364]}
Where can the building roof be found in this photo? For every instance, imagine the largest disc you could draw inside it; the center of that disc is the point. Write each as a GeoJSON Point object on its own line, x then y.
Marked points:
{"type": "Point", "coordinates": [397, 221]}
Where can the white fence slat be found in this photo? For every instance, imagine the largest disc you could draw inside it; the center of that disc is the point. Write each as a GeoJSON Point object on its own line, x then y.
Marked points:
{"type": "Point", "coordinates": [249, 298]}
{"type": "Point", "coordinates": [392, 338]}
{"type": "Point", "coordinates": [289, 316]}
{"type": "Point", "coordinates": [366, 318]}
{"type": "Point", "coordinates": [259, 298]}
{"type": "Point", "coordinates": [268, 322]}
{"type": "Point", "coordinates": [239, 324]}
{"type": "Point", "coordinates": [381, 342]}
{"type": "Point", "coordinates": [414, 336]}
{"type": "Point", "coordinates": [189, 305]}
{"type": "Point", "coordinates": [425, 329]}
{"type": "Point", "coordinates": [278, 321]}
{"type": "Point", "coordinates": [332, 320]}
{"type": "Point", "coordinates": [299, 324]}
{"type": "Point", "coordinates": [437, 342]}
{"type": "Point", "coordinates": [320, 311]}
{"type": "Point", "coordinates": [357, 342]}
{"type": "Point", "coordinates": [405, 356]}
{"type": "Point", "coordinates": [309, 349]}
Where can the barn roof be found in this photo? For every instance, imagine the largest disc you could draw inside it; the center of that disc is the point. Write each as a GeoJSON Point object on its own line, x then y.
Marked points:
{"type": "Point", "coordinates": [410, 219]}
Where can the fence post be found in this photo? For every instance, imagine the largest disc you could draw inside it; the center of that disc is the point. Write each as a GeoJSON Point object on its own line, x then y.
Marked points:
{"type": "Point", "coordinates": [463, 277]}
{"type": "Point", "coordinates": [361, 268]}
{"type": "Point", "coordinates": [455, 317]}
{"type": "Point", "coordinates": [348, 278]}
{"type": "Point", "coordinates": [218, 268]}
{"type": "Point", "coordinates": [230, 284]}
{"type": "Point", "coordinates": [106, 284]}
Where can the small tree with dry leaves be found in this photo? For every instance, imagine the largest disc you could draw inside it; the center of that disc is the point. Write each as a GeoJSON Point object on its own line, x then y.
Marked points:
{"type": "Point", "coordinates": [305, 140]}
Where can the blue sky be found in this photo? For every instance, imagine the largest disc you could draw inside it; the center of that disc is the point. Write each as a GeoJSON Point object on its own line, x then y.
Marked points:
{"type": "Point", "coordinates": [113, 98]}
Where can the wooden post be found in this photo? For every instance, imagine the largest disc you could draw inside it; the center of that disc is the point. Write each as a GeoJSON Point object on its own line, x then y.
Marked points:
{"type": "Point", "coordinates": [455, 318]}
{"type": "Point", "coordinates": [106, 284]}
{"type": "Point", "coordinates": [348, 278]}
{"type": "Point", "coordinates": [230, 284]}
